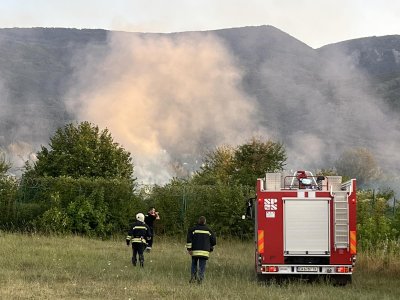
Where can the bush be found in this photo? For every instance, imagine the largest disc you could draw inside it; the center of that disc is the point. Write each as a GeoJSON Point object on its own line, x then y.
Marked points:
{"type": "Point", "coordinates": [375, 225]}
{"type": "Point", "coordinates": [182, 204]}
{"type": "Point", "coordinates": [8, 192]}
{"type": "Point", "coordinates": [91, 206]}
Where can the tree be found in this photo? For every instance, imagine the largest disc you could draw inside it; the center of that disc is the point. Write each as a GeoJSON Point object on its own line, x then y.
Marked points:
{"type": "Point", "coordinates": [218, 166]}
{"type": "Point", "coordinates": [374, 224]}
{"type": "Point", "coordinates": [242, 165]}
{"type": "Point", "coordinates": [4, 166]}
{"type": "Point", "coordinates": [358, 163]}
{"type": "Point", "coordinates": [256, 157]}
{"type": "Point", "coordinates": [8, 191]}
{"type": "Point", "coordinates": [82, 151]}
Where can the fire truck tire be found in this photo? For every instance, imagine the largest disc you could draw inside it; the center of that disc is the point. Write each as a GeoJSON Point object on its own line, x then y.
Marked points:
{"type": "Point", "coordinates": [261, 278]}
{"type": "Point", "coordinates": [269, 279]}
{"type": "Point", "coordinates": [341, 280]}
{"type": "Point", "coordinates": [265, 278]}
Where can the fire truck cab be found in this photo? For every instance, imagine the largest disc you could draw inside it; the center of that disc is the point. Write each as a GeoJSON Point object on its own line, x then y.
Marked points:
{"type": "Point", "coordinates": [305, 225]}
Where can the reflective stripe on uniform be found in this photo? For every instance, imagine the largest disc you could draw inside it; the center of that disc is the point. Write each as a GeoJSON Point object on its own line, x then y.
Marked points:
{"type": "Point", "coordinates": [202, 231]}
{"type": "Point", "coordinates": [139, 227]}
{"type": "Point", "coordinates": [138, 240]}
{"type": "Point", "coordinates": [189, 245]}
{"type": "Point", "coordinates": [128, 237]}
{"type": "Point", "coordinates": [200, 253]}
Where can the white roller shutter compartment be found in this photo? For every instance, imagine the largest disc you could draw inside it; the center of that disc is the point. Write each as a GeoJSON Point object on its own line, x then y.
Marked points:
{"type": "Point", "coordinates": [306, 226]}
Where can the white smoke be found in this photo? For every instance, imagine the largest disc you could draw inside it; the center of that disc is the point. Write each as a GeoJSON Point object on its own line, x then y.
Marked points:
{"type": "Point", "coordinates": [169, 98]}
{"type": "Point", "coordinates": [164, 99]}
{"type": "Point", "coordinates": [320, 117]}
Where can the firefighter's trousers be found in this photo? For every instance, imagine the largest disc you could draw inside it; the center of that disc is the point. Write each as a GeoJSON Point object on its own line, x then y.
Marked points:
{"type": "Point", "coordinates": [150, 240]}
{"type": "Point", "coordinates": [138, 250]}
{"type": "Point", "coordinates": [201, 262]}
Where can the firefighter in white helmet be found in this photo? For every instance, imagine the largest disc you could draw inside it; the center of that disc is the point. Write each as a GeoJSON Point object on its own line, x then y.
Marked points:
{"type": "Point", "coordinates": [138, 235]}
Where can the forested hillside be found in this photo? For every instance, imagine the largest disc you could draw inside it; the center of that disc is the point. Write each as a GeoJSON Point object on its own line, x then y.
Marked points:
{"type": "Point", "coordinates": [227, 84]}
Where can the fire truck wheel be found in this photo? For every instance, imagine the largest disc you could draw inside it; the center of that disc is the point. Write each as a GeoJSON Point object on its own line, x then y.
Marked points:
{"type": "Point", "coordinates": [341, 280]}
{"type": "Point", "coordinates": [261, 278]}
{"type": "Point", "coordinates": [266, 279]}
{"type": "Point", "coordinates": [270, 279]}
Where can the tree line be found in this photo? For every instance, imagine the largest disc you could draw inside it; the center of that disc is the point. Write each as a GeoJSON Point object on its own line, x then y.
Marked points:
{"type": "Point", "coordinates": [83, 183]}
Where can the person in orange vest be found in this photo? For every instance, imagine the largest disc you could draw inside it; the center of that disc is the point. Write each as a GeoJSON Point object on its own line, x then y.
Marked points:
{"type": "Point", "coordinates": [199, 243]}
{"type": "Point", "coordinates": [138, 235]}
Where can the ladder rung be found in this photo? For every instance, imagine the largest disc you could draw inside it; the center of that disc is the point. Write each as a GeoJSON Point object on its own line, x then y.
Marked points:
{"type": "Point", "coordinates": [341, 211]}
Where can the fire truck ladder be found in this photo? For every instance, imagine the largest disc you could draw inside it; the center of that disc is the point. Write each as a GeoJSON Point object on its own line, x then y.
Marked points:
{"type": "Point", "coordinates": [341, 213]}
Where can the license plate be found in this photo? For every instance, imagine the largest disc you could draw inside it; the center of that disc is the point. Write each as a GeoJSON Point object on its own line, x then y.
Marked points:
{"type": "Point", "coordinates": [307, 269]}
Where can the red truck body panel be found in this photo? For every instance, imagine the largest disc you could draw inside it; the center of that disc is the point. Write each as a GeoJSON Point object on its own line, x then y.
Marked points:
{"type": "Point", "coordinates": [286, 214]}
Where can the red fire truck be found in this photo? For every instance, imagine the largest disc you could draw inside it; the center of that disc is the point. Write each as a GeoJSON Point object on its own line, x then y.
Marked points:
{"type": "Point", "coordinates": [305, 225]}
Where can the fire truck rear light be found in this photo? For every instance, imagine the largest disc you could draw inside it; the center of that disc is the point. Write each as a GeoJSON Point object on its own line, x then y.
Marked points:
{"type": "Point", "coordinates": [342, 270]}
{"type": "Point", "coordinates": [270, 269]}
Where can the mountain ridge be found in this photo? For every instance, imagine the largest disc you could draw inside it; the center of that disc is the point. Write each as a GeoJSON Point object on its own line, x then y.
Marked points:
{"type": "Point", "coordinates": [286, 81]}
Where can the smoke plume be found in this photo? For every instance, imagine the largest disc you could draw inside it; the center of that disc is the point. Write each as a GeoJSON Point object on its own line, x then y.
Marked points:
{"type": "Point", "coordinates": [169, 98]}
{"type": "Point", "coordinates": [165, 99]}
{"type": "Point", "coordinates": [336, 109]}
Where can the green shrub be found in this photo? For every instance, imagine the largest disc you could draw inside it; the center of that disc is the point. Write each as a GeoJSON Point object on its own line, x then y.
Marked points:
{"type": "Point", "coordinates": [91, 206]}
{"type": "Point", "coordinates": [181, 204]}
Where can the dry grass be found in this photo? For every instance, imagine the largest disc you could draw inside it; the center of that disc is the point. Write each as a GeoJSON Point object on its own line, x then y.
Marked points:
{"type": "Point", "coordinates": [40, 267]}
{"type": "Point", "coordinates": [384, 260]}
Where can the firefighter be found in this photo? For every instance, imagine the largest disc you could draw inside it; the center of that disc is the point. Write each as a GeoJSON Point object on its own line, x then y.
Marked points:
{"type": "Point", "coordinates": [138, 234]}
{"type": "Point", "coordinates": [200, 242]}
{"type": "Point", "coordinates": [149, 219]}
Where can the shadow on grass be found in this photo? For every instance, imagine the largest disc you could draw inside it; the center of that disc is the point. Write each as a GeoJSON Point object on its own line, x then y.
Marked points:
{"type": "Point", "coordinates": [332, 280]}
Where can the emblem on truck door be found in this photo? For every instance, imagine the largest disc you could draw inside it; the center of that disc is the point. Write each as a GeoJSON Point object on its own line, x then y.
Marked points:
{"type": "Point", "coordinates": [270, 204]}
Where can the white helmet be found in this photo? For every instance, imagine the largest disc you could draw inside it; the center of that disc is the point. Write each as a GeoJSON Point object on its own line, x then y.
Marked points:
{"type": "Point", "coordinates": [140, 217]}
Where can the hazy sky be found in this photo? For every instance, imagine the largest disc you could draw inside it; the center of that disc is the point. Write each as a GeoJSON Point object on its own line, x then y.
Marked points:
{"type": "Point", "coordinates": [315, 22]}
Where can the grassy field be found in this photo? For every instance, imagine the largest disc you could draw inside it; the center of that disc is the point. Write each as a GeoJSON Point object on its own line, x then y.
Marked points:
{"type": "Point", "coordinates": [40, 267]}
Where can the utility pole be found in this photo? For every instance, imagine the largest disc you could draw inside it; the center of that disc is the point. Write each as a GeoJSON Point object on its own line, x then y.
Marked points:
{"type": "Point", "coordinates": [373, 198]}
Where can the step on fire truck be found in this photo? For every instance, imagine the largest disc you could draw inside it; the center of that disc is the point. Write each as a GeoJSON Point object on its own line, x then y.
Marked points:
{"type": "Point", "coordinates": [305, 226]}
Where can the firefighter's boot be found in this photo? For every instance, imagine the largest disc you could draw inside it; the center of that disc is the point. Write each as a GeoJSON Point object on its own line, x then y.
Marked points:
{"type": "Point", "coordinates": [134, 261]}
{"type": "Point", "coordinates": [141, 260]}
{"type": "Point", "coordinates": [193, 279]}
